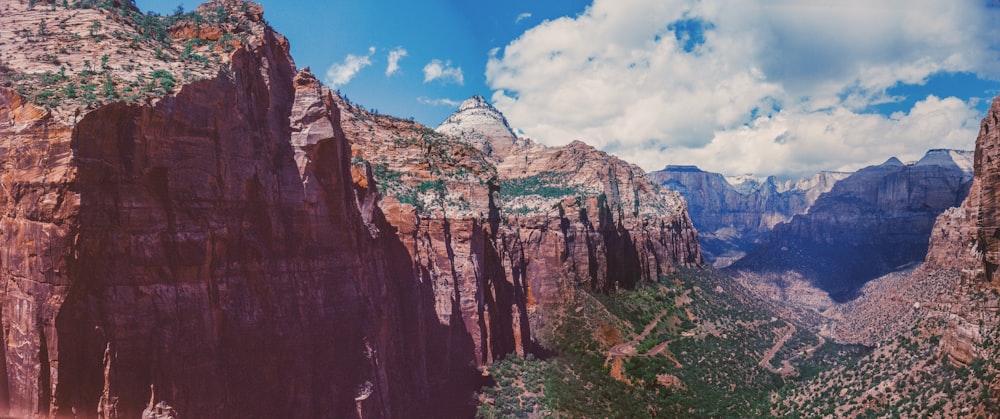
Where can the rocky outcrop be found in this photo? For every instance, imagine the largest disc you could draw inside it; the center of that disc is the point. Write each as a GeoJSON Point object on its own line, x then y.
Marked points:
{"type": "Point", "coordinates": [874, 222]}
{"type": "Point", "coordinates": [616, 228]}
{"type": "Point", "coordinates": [964, 241]}
{"type": "Point", "coordinates": [965, 238]}
{"type": "Point", "coordinates": [734, 217]}
{"type": "Point", "coordinates": [988, 177]}
{"type": "Point", "coordinates": [234, 240]}
{"type": "Point", "coordinates": [482, 125]}
{"type": "Point", "coordinates": [501, 240]}
{"type": "Point", "coordinates": [209, 252]}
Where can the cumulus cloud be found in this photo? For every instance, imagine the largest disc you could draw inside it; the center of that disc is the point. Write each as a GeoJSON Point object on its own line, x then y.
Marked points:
{"type": "Point", "coordinates": [766, 86]}
{"type": "Point", "coordinates": [394, 56]}
{"type": "Point", "coordinates": [837, 139]}
{"type": "Point", "coordinates": [341, 73]}
{"type": "Point", "coordinates": [438, 102]}
{"type": "Point", "coordinates": [521, 17]}
{"type": "Point", "coordinates": [443, 71]}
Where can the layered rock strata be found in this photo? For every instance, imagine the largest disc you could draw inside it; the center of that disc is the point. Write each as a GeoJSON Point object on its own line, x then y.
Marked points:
{"type": "Point", "coordinates": [499, 242]}
{"type": "Point", "coordinates": [207, 248]}
{"type": "Point", "coordinates": [483, 126]}
{"type": "Point", "coordinates": [964, 242]}
{"type": "Point", "coordinates": [965, 237]}
{"type": "Point", "coordinates": [734, 215]}
{"type": "Point", "coordinates": [874, 222]}
{"type": "Point", "coordinates": [215, 234]}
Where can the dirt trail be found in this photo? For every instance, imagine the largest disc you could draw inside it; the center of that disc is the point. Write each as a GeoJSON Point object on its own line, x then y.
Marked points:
{"type": "Point", "coordinates": [769, 354]}
{"type": "Point", "coordinates": [628, 348]}
{"type": "Point", "coordinates": [658, 349]}
{"type": "Point", "coordinates": [786, 364]}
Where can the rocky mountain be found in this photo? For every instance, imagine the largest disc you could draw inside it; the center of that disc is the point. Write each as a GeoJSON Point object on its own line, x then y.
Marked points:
{"type": "Point", "coordinates": [964, 238]}
{"type": "Point", "coordinates": [936, 326]}
{"type": "Point", "coordinates": [502, 243]}
{"type": "Point", "coordinates": [482, 125]}
{"type": "Point", "coordinates": [871, 223]}
{"type": "Point", "coordinates": [192, 224]}
{"type": "Point", "coordinates": [192, 232]}
{"type": "Point", "coordinates": [733, 215]}
{"type": "Point", "coordinates": [963, 243]}
{"type": "Point", "coordinates": [918, 342]}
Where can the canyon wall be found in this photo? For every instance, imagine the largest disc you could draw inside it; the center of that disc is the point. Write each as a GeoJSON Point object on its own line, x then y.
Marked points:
{"type": "Point", "coordinates": [502, 227]}
{"type": "Point", "coordinates": [733, 218]}
{"type": "Point", "coordinates": [963, 249]}
{"type": "Point", "coordinates": [874, 222]}
{"type": "Point", "coordinates": [216, 234]}
{"type": "Point", "coordinates": [988, 173]}
{"type": "Point", "coordinates": [211, 249]}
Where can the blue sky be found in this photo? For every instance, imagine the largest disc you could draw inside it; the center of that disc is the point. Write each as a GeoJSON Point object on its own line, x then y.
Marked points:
{"type": "Point", "coordinates": [458, 33]}
{"type": "Point", "coordinates": [779, 87]}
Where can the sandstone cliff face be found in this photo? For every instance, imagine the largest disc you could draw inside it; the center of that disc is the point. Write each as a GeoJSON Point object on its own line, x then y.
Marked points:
{"type": "Point", "coordinates": [617, 227]}
{"type": "Point", "coordinates": [869, 224]}
{"type": "Point", "coordinates": [500, 236]}
{"type": "Point", "coordinates": [211, 249]}
{"type": "Point", "coordinates": [480, 124]}
{"type": "Point", "coordinates": [988, 174]}
{"type": "Point", "coordinates": [233, 240]}
{"type": "Point", "coordinates": [733, 218]}
{"type": "Point", "coordinates": [964, 243]}
{"type": "Point", "coordinates": [38, 240]}
{"type": "Point", "coordinates": [964, 238]}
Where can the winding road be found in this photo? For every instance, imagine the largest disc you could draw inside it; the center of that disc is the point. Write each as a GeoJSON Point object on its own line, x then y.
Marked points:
{"type": "Point", "coordinates": [786, 364]}
{"type": "Point", "coordinates": [628, 348]}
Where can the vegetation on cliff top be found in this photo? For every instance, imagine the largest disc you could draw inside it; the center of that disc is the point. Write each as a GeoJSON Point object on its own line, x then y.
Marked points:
{"type": "Point", "coordinates": [142, 56]}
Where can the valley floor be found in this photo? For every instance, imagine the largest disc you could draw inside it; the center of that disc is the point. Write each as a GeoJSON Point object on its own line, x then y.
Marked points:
{"type": "Point", "coordinates": [704, 344]}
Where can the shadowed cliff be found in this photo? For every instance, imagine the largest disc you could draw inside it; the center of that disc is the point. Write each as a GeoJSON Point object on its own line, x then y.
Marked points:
{"type": "Point", "coordinates": [874, 222]}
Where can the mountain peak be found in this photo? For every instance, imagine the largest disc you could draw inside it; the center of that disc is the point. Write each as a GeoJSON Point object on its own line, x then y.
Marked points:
{"type": "Point", "coordinates": [961, 159]}
{"type": "Point", "coordinates": [475, 102]}
{"type": "Point", "coordinates": [893, 161]}
{"type": "Point", "coordinates": [482, 125]}
{"type": "Point", "coordinates": [682, 168]}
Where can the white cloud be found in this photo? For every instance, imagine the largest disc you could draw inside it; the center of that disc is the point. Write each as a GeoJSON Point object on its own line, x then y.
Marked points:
{"type": "Point", "coordinates": [617, 77]}
{"type": "Point", "coordinates": [521, 17]}
{"type": "Point", "coordinates": [340, 74]}
{"type": "Point", "coordinates": [838, 139]}
{"type": "Point", "coordinates": [394, 56]}
{"type": "Point", "coordinates": [438, 70]}
{"type": "Point", "coordinates": [438, 102]}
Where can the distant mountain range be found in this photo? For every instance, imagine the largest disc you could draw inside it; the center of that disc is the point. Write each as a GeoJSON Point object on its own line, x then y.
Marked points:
{"type": "Point", "coordinates": [196, 228]}
{"type": "Point", "coordinates": [837, 229]}
{"type": "Point", "coordinates": [734, 214]}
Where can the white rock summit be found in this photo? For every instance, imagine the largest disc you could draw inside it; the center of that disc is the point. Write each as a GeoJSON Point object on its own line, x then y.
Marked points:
{"type": "Point", "coordinates": [483, 125]}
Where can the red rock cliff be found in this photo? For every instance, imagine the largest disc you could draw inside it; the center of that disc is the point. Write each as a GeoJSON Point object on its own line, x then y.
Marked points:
{"type": "Point", "coordinates": [204, 231]}
{"type": "Point", "coordinates": [501, 233]}
{"type": "Point", "coordinates": [965, 241]}
{"type": "Point", "coordinates": [966, 237]}
{"type": "Point", "coordinates": [988, 176]}
{"type": "Point", "coordinates": [210, 248]}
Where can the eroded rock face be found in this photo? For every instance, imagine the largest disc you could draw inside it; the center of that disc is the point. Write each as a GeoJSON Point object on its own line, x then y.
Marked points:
{"type": "Point", "coordinates": [964, 240]}
{"type": "Point", "coordinates": [874, 222]}
{"type": "Point", "coordinates": [209, 251]}
{"type": "Point", "coordinates": [218, 247]}
{"type": "Point", "coordinates": [988, 176]}
{"type": "Point", "coordinates": [734, 217]}
{"type": "Point", "coordinates": [501, 239]}
{"type": "Point", "coordinates": [482, 125]}
{"type": "Point", "coordinates": [38, 230]}
{"type": "Point", "coordinates": [618, 228]}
